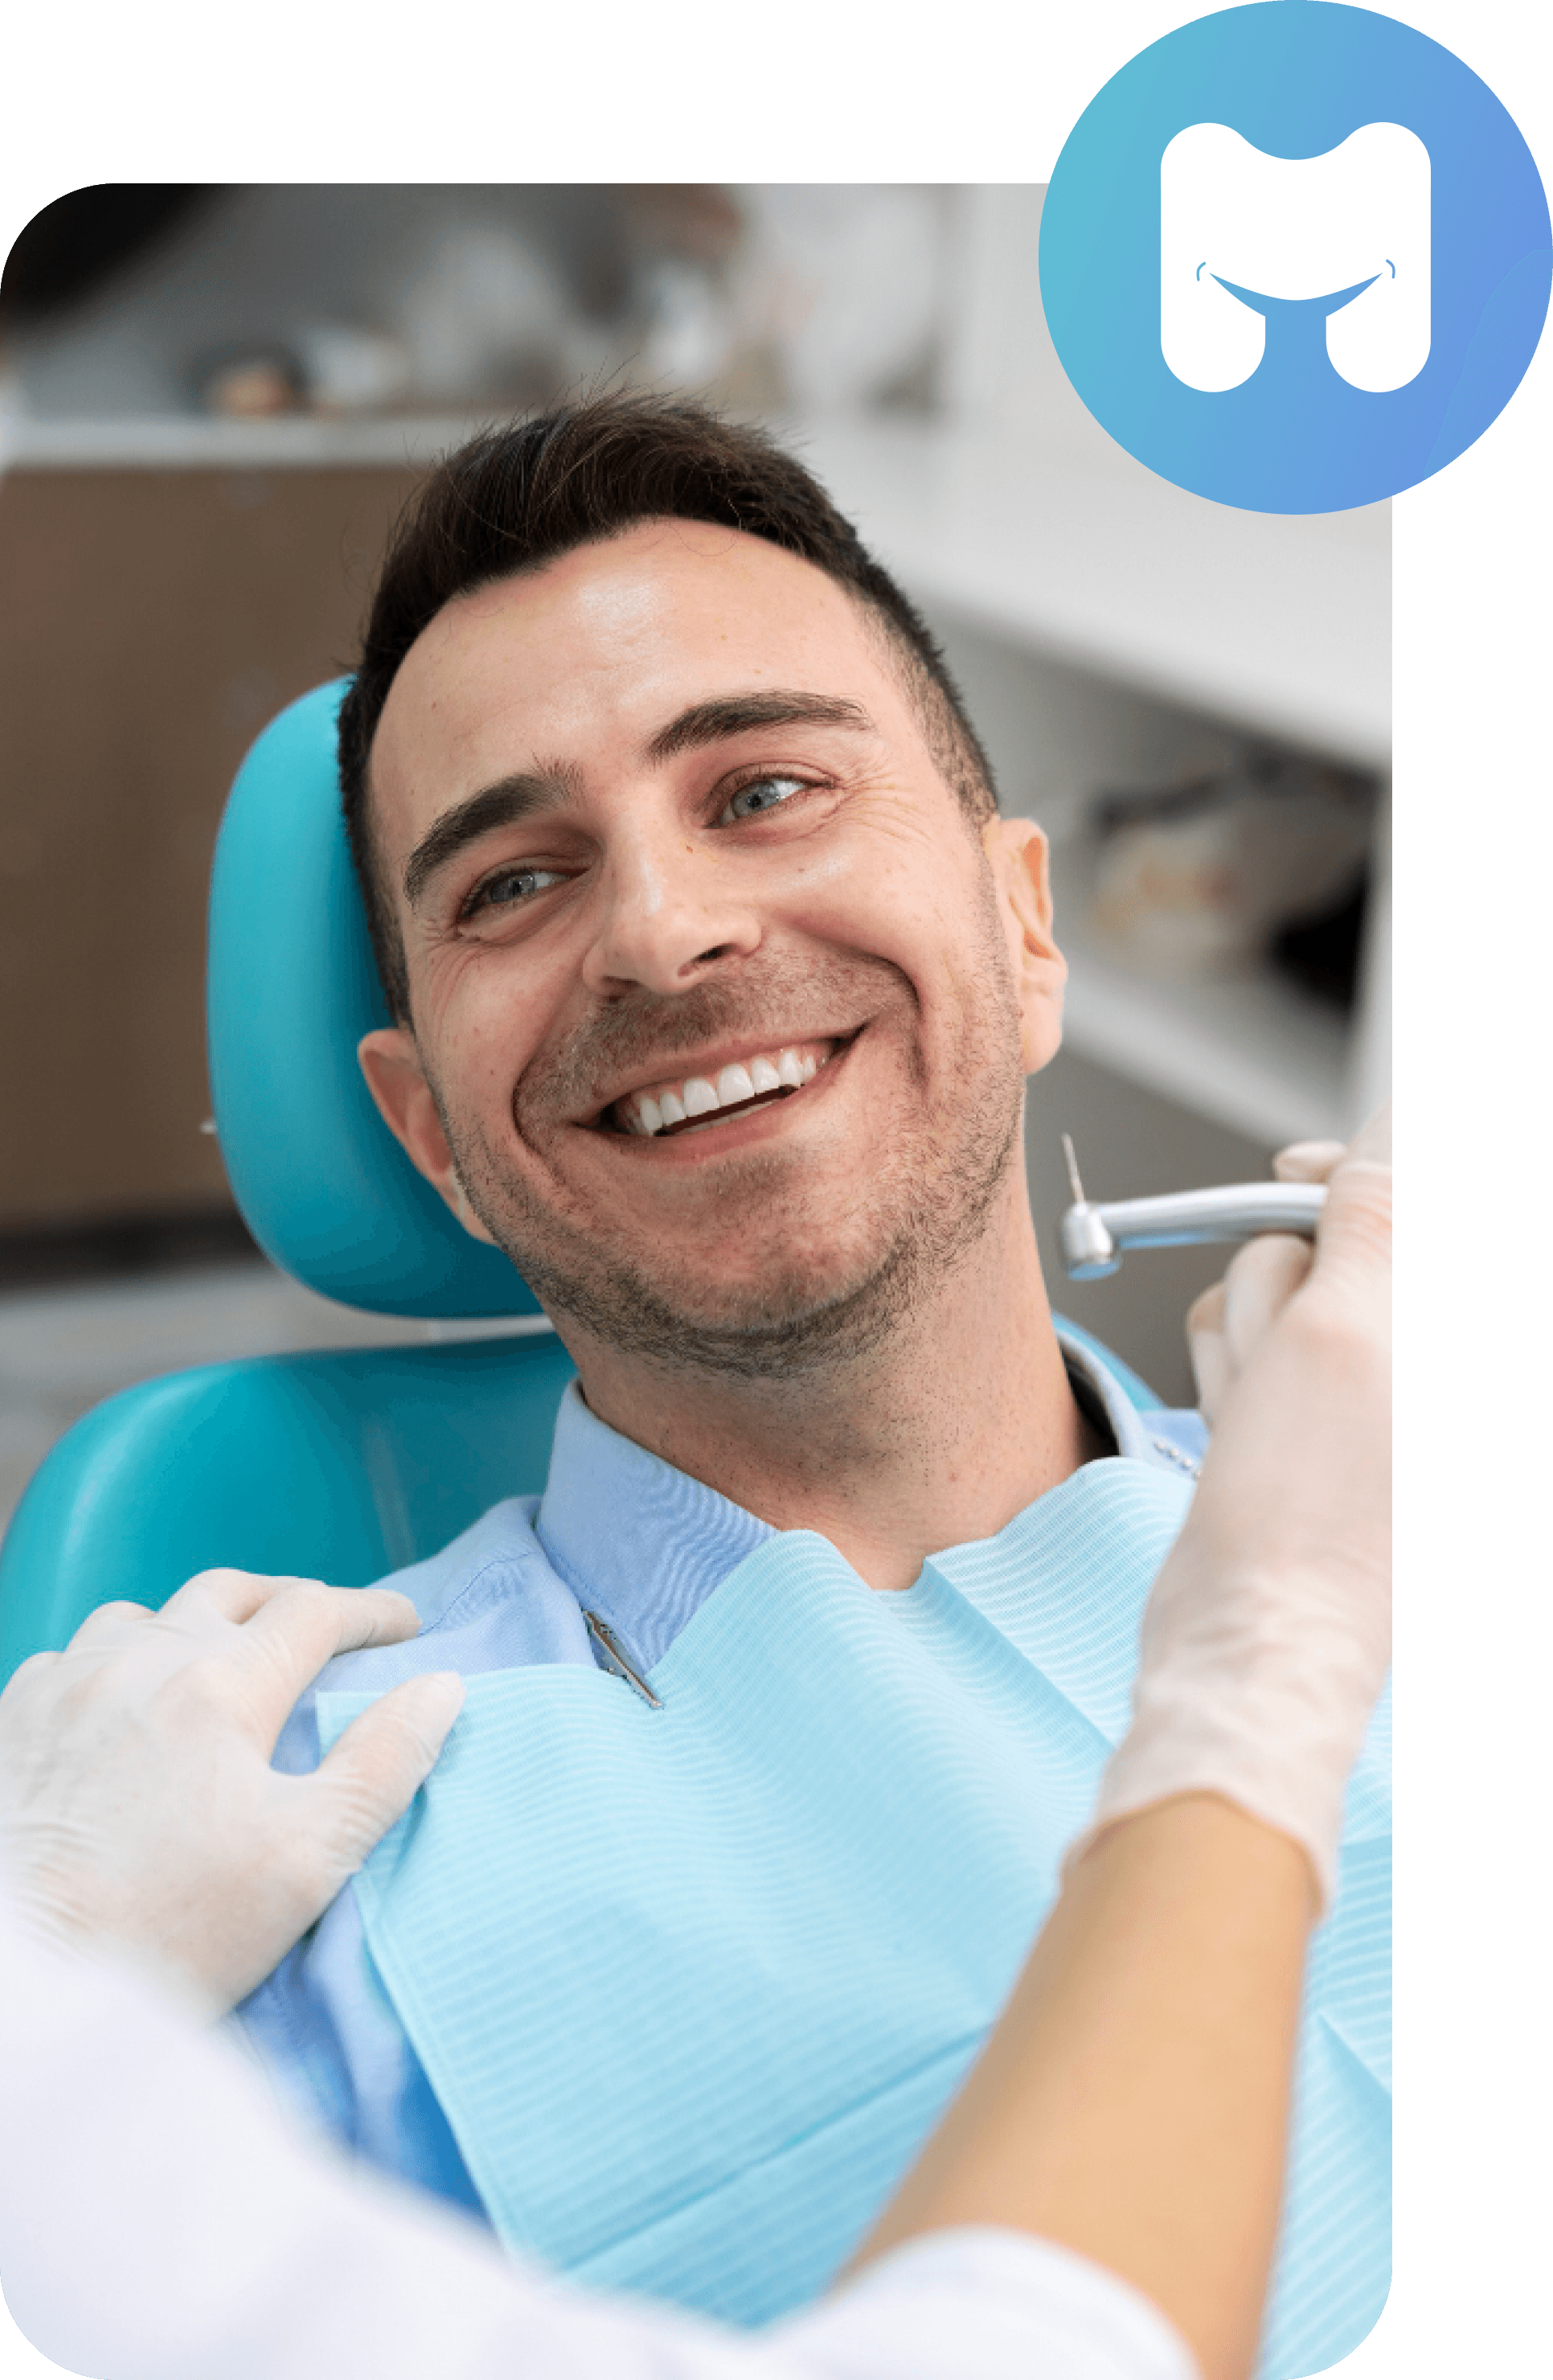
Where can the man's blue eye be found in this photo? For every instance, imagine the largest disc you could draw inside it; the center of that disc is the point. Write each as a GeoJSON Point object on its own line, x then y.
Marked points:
{"type": "Point", "coordinates": [765, 794]}
{"type": "Point", "coordinates": [513, 885]}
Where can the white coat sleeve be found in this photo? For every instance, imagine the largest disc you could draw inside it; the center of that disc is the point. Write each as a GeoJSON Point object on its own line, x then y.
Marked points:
{"type": "Point", "coordinates": [159, 2219]}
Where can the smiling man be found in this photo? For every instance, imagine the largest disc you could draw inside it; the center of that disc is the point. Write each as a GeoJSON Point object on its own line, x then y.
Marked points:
{"type": "Point", "coordinates": [717, 979]}
{"type": "Point", "coordinates": [719, 1003]}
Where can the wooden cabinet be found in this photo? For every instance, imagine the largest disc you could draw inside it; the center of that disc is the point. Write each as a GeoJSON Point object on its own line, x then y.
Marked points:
{"type": "Point", "coordinates": [150, 622]}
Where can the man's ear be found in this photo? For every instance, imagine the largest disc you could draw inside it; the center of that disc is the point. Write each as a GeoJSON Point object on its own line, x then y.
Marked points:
{"type": "Point", "coordinates": [1017, 851]}
{"type": "Point", "coordinates": [390, 1063]}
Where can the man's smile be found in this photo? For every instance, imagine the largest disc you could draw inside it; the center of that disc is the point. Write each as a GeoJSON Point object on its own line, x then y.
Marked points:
{"type": "Point", "coordinates": [736, 1080]}
{"type": "Point", "coordinates": [682, 1102]}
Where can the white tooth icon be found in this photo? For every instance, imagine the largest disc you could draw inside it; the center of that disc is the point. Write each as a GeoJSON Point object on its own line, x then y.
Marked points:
{"type": "Point", "coordinates": [1351, 225]}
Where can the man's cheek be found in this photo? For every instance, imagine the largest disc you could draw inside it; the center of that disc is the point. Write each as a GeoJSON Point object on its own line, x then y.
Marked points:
{"type": "Point", "coordinates": [484, 1034]}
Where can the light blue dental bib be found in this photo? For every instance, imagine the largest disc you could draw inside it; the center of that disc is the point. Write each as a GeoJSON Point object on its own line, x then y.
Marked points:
{"type": "Point", "coordinates": [810, 1881]}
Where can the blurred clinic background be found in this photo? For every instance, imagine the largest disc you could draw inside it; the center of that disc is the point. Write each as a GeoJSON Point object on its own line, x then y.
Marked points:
{"type": "Point", "coordinates": [213, 399]}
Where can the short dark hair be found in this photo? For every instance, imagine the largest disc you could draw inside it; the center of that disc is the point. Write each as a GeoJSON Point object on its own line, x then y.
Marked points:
{"type": "Point", "coordinates": [512, 500]}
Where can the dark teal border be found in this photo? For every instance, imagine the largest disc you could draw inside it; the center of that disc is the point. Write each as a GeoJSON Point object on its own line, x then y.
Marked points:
{"type": "Point", "coordinates": [988, 90]}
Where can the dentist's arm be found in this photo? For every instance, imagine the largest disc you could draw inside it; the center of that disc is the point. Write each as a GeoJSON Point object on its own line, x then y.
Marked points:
{"type": "Point", "coordinates": [1132, 2103]}
{"type": "Point", "coordinates": [160, 2221]}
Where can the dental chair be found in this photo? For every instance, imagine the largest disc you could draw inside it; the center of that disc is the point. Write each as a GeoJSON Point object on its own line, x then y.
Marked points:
{"type": "Point", "coordinates": [344, 1465]}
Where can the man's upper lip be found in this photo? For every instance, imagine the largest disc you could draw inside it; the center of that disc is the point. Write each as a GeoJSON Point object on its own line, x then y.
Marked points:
{"type": "Point", "coordinates": [678, 1065]}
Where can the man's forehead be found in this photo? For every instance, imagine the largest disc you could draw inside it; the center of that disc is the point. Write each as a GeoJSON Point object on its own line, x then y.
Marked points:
{"type": "Point", "coordinates": [604, 646]}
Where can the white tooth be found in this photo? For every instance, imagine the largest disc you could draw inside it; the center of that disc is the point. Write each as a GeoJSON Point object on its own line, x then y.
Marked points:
{"type": "Point", "coordinates": [699, 1096]}
{"type": "Point", "coordinates": [649, 1116]}
{"type": "Point", "coordinates": [790, 1069]}
{"type": "Point", "coordinates": [671, 1107]}
{"type": "Point", "coordinates": [811, 1068]}
{"type": "Point", "coordinates": [764, 1075]}
{"type": "Point", "coordinates": [735, 1083]}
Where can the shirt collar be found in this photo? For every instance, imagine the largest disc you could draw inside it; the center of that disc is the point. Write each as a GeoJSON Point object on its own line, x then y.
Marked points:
{"type": "Point", "coordinates": [638, 1542]}
{"type": "Point", "coordinates": [643, 1544]}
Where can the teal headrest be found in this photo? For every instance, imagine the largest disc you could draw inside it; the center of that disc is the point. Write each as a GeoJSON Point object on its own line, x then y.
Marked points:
{"type": "Point", "coordinates": [291, 986]}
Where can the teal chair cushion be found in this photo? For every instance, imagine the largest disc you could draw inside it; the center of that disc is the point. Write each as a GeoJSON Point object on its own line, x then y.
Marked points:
{"type": "Point", "coordinates": [291, 986]}
{"type": "Point", "coordinates": [337, 1466]}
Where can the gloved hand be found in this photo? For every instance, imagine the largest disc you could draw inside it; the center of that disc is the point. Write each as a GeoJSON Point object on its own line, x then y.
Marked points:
{"type": "Point", "coordinates": [1267, 1635]}
{"type": "Point", "coordinates": [137, 1801]}
{"type": "Point", "coordinates": [1233, 1317]}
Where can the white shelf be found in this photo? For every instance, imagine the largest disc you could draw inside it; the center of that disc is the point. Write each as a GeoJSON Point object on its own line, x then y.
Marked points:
{"type": "Point", "coordinates": [1248, 1052]}
{"type": "Point", "coordinates": [1248, 1049]}
{"type": "Point", "coordinates": [1279, 624]}
{"type": "Point", "coordinates": [196, 442]}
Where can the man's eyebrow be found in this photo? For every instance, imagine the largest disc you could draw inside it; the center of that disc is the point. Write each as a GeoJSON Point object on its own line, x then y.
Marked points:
{"type": "Point", "coordinates": [731, 714]}
{"type": "Point", "coordinates": [502, 804]}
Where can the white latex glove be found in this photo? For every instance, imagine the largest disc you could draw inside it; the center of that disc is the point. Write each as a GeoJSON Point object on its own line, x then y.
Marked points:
{"type": "Point", "coordinates": [1267, 1635]}
{"type": "Point", "coordinates": [1232, 1317]}
{"type": "Point", "coordinates": [137, 1801]}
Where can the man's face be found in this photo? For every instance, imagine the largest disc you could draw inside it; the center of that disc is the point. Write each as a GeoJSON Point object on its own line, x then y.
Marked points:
{"type": "Point", "coordinates": [656, 814]}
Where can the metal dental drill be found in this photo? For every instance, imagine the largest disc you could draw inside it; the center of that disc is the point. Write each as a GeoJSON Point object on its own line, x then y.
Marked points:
{"type": "Point", "coordinates": [1096, 1234]}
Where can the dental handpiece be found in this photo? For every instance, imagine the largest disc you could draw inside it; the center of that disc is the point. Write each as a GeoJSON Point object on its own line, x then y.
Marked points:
{"type": "Point", "coordinates": [1097, 1233]}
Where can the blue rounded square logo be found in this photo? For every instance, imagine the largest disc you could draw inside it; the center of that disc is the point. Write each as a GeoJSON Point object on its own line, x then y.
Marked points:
{"type": "Point", "coordinates": [1295, 257]}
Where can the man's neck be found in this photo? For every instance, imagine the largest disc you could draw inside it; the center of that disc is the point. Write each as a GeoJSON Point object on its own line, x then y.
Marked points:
{"type": "Point", "coordinates": [940, 1437]}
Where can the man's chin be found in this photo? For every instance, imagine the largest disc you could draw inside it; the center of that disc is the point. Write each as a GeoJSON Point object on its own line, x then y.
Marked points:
{"type": "Point", "coordinates": [789, 1320]}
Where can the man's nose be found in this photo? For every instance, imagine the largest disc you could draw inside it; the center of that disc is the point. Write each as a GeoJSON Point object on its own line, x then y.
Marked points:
{"type": "Point", "coordinates": [670, 909]}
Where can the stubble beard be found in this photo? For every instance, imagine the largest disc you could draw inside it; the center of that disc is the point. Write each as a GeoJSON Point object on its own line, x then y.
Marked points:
{"type": "Point", "coordinates": [934, 1188]}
